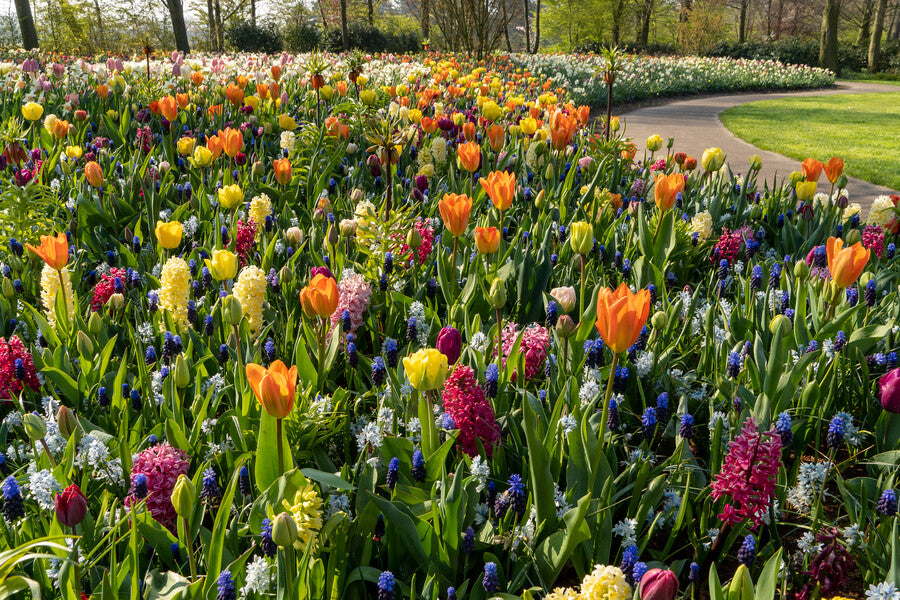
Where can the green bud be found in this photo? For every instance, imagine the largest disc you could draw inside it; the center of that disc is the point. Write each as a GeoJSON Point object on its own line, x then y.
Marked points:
{"type": "Point", "coordinates": [257, 170]}
{"type": "Point", "coordinates": [801, 269]}
{"type": "Point", "coordinates": [65, 420]}
{"type": "Point", "coordinates": [284, 530]}
{"type": "Point", "coordinates": [498, 293]}
{"type": "Point", "coordinates": [670, 142]}
{"type": "Point", "coordinates": [741, 587]}
{"type": "Point", "coordinates": [413, 238]}
{"type": "Point", "coordinates": [539, 201]}
{"type": "Point", "coordinates": [851, 237]}
{"type": "Point", "coordinates": [841, 182]}
{"type": "Point", "coordinates": [116, 301]}
{"type": "Point", "coordinates": [232, 311]}
{"type": "Point", "coordinates": [549, 173]}
{"type": "Point", "coordinates": [84, 344]}
{"type": "Point", "coordinates": [781, 325]}
{"type": "Point", "coordinates": [35, 426]}
{"type": "Point", "coordinates": [755, 163]}
{"type": "Point", "coordinates": [540, 148]}
{"type": "Point", "coordinates": [334, 235]}
{"type": "Point", "coordinates": [659, 320]}
{"type": "Point", "coordinates": [756, 212]}
{"type": "Point", "coordinates": [285, 275]}
{"type": "Point", "coordinates": [95, 323]}
{"type": "Point", "coordinates": [184, 496]}
{"type": "Point", "coordinates": [865, 278]}
{"type": "Point", "coordinates": [182, 373]}
{"type": "Point", "coordinates": [796, 177]}
{"type": "Point", "coordinates": [8, 290]}
{"type": "Point", "coordinates": [565, 327]}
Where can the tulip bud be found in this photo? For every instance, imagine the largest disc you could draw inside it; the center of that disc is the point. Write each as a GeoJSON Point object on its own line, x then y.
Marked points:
{"type": "Point", "coordinates": [65, 420]}
{"type": "Point", "coordinates": [549, 173]}
{"type": "Point", "coordinates": [182, 373]}
{"type": "Point", "coordinates": [796, 177]}
{"type": "Point", "coordinates": [755, 163]}
{"type": "Point", "coordinates": [756, 212]}
{"type": "Point", "coordinates": [35, 426]}
{"type": "Point", "coordinates": [257, 170]}
{"type": "Point", "coordinates": [8, 290]}
{"type": "Point", "coordinates": [851, 237]}
{"type": "Point", "coordinates": [285, 275]}
{"type": "Point", "coordinates": [232, 310]}
{"type": "Point", "coordinates": [95, 323]}
{"type": "Point", "coordinates": [659, 584]}
{"type": "Point", "coordinates": [842, 202]}
{"type": "Point", "coordinates": [741, 587]}
{"type": "Point", "coordinates": [116, 301]}
{"type": "Point", "coordinates": [449, 342]}
{"type": "Point", "coordinates": [71, 506]}
{"type": "Point", "coordinates": [780, 325]}
{"type": "Point", "coordinates": [659, 320]}
{"type": "Point", "coordinates": [865, 278]}
{"type": "Point", "coordinates": [841, 182]}
{"type": "Point", "coordinates": [801, 269]}
{"type": "Point", "coordinates": [498, 293]}
{"type": "Point", "coordinates": [539, 200]}
{"type": "Point", "coordinates": [333, 236]}
{"type": "Point", "coordinates": [184, 496]}
{"type": "Point", "coordinates": [294, 236]}
{"type": "Point", "coordinates": [413, 238]}
{"type": "Point", "coordinates": [84, 344]}
{"type": "Point", "coordinates": [670, 142]}
{"type": "Point", "coordinates": [284, 530]}
{"type": "Point", "coordinates": [164, 167]}
{"type": "Point", "coordinates": [889, 391]}
{"type": "Point", "coordinates": [565, 327]}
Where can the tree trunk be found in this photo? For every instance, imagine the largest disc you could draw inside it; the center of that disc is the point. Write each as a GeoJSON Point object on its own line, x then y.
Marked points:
{"type": "Point", "coordinates": [742, 27]}
{"type": "Point", "coordinates": [220, 30]}
{"type": "Point", "coordinates": [253, 12]}
{"type": "Point", "coordinates": [26, 24]}
{"type": "Point", "coordinates": [322, 12]}
{"type": "Point", "coordinates": [178, 28]}
{"type": "Point", "coordinates": [345, 42]}
{"type": "Point", "coordinates": [646, 17]}
{"type": "Point", "coordinates": [506, 26]}
{"type": "Point", "coordinates": [212, 25]}
{"type": "Point", "coordinates": [537, 26]}
{"type": "Point", "coordinates": [685, 11]}
{"type": "Point", "coordinates": [527, 29]}
{"type": "Point", "coordinates": [371, 7]}
{"type": "Point", "coordinates": [828, 45]}
{"type": "Point", "coordinates": [875, 42]}
{"type": "Point", "coordinates": [426, 25]}
{"type": "Point", "coordinates": [101, 32]}
{"type": "Point", "coordinates": [895, 24]}
{"type": "Point", "coordinates": [865, 26]}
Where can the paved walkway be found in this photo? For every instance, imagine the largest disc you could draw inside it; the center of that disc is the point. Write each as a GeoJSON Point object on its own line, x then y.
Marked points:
{"type": "Point", "coordinates": [695, 125]}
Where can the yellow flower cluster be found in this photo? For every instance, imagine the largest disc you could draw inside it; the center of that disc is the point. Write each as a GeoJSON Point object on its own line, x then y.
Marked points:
{"type": "Point", "coordinates": [605, 583]}
{"type": "Point", "coordinates": [307, 513]}
{"type": "Point", "coordinates": [260, 208]}
{"type": "Point", "coordinates": [853, 209]}
{"type": "Point", "coordinates": [701, 224]}
{"type": "Point", "coordinates": [49, 289]}
{"type": "Point", "coordinates": [250, 291]}
{"type": "Point", "coordinates": [563, 594]}
{"type": "Point", "coordinates": [882, 211]}
{"type": "Point", "coordinates": [175, 281]}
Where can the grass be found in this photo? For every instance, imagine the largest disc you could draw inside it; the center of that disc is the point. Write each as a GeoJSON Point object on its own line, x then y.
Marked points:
{"type": "Point", "coordinates": [888, 78]}
{"type": "Point", "coordinates": [863, 129]}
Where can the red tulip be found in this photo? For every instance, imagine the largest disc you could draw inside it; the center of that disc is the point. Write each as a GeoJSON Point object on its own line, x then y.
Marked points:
{"type": "Point", "coordinates": [449, 342]}
{"type": "Point", "coordinates": [71, 506]}
{"type": "Point", "coordinates": [889, 388]}
{"type": "Point", "coordinates": [658, 584]}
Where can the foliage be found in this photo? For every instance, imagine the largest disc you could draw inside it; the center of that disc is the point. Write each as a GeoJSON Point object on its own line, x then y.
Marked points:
{"type": "Point", "coordinates": [244, 36]}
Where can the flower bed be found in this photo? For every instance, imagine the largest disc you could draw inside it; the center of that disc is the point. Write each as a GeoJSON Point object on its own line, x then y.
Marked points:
{"type": "Point", "coordinates": [333, 327]}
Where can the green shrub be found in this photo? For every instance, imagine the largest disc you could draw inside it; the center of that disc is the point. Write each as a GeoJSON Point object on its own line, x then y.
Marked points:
{"type": "Point", "coordinates": [302, 37]}
{"type": "Point", "coordinates": [362, 36]}
{"type": "Point", "coordinates": [247, 37]}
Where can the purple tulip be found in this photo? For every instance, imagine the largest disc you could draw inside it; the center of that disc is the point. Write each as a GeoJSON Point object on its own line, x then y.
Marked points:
{"type": "Point", "coordinates": [889, 385]}
{"type": "Point", "coordinates": [320, 271]}
{"type": "Point", "coordinates": [449, 342]}
{"type": "Point", "coordinates": [659, 584]}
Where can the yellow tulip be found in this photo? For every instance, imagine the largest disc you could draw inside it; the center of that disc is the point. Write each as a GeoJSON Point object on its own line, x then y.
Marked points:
{"type": "Point", "coordinates": [426, 369]}
{"type": "Point", "coordinates": [581, 237]}
{"type": "Point", "coordinates": [169, 234]}
{"type": "Point", "coordinates": [230, 196]}
{"type": "Point", "coordinates": [528, 125]}
{"type": "Point", "coordinates": [654, 142]}
{"type": "Point", "coordinates": [367, 97]}
{"type": "Point", "coordinates": [287, 122]}
{"type": "Point", "coordinates": [185, 146]}
{"type": "Point", "coordinates": [74, 152]}
{"type": "Point", "coordinates": [491, 111]}
{"type": "Point", "coordinates": [202, 157]}
{"type": "Point", "coordinates": [712, 159]}
{"type": "Point", "coordinates": [32, 111]}
{"type": "Point", "coordinates": [223, 265]}
{"type": "Point", "coordinates": [806, 190]}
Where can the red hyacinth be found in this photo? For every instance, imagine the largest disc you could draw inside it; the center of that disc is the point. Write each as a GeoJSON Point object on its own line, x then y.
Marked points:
{"type": "Point", "coordinates": [749, 475]}
{"type": "Point", "coordinates": [244, 240]}
{"type": "Point", "coordinates": [10, 385]}
{"type": "Point", "coordinates": [106, 288]}
{"type": "Point", "coordinates": [473, 414]}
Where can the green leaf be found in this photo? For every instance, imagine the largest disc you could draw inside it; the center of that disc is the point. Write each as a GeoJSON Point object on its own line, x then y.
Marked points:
{"type": "Point", "coordinates": [893, 575]}
{"type": "Point", "coordinates": [767, 584]}
{"type": "Point", "coordinates": [329, 479]}
{"type": "Point", "coordinates": [267, 468]}
{"type": "Point", "coordinates": [539, 468]}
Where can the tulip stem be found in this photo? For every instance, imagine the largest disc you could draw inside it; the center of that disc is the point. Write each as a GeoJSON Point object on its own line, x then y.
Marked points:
{"type": "Point", "coordinates": [595, 463]}
{"type": "Point", "coordinates": [190, 548]}
{"type": "Point", "coordinates": [499, 339]}
{"type": "Point", "coordinates": [280, 445]}
{"type": "Point", "coordinates": [581, 295]}
{"type": "Point", "coordinates": [62, 289]}
{"type": "Point", "coordinates": [237, 347]}
{"type": "Point", "coordinates": [75, 566]}
{"type": "Point", "coordinates": [47, 451]}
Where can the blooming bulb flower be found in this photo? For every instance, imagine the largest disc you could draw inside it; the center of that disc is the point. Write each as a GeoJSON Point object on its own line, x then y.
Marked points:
{"type": "Point", "coordinates": [665, 190]}
{"type": "Point", "coordinates": [223, 265]}
{"type": "Point", "coordinates": [621, 315]}
{"type": "Point", "coordinates": [274, 387]}
{"type": "Point", "coordinates": [846, 264]}
{"type": "Point", "coordinates": [812, 169]}
{"type": "Point", "coordinates": [469, 156]}
{"type": "Point", "coordinates": [320, 297]}
{"type": "Point", "coordinates": [53, 250]}
{"type": "Point", "coordinates": [659, 584]}
{"type": "Point", "coordinates": [449, 342]}
{"type": "Point", "coordinates": [487, 239]}
{"type": "Point", "coordinates": [175, 281]}
{"type": "Point", "coordinates": [169, 234]}
{"type": "Point", "coordinates": [455, 210]}
{"type": "Point", "coordinates": [565, 297]}
{"type": "Point", "coordinates": [50, 287]}
{"type": "Point", "coordinates": [501, 188]}
{"type": "Point", "coordinates": [426, 369]}
{"type": "Point", "coordinates": [230, 196]}
{"type": "Point", "coordinates": [71, 506]}
{"type": "Point", "coordinates": [712, 159]}
{"type": "Point", "coordinates": [889, 391]}
{"type": "Point", "coordinates": [250, 291]}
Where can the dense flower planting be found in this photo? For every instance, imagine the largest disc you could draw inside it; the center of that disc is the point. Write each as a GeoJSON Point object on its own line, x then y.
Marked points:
{"type": "Point", "coordinates": [347, 327]}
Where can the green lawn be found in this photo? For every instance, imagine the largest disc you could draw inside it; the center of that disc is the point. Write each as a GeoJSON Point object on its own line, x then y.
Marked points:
{"type": "Point", "coordinates": [863, 129]}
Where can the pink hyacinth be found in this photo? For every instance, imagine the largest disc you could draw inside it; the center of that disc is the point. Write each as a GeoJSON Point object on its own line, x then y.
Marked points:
{"type": "Point", "coordinates": [105, 288]}
{"type": "Point", "coordinates": [161, 465]}
{"type": "Point", "coordinates": [244, 240]}
{"type": "Point", "coordinates": [426, 231]}
{"type": "Point", "coordinates": [728, 246]}
{"type": "Point", "coordinates": [873, 239]}
{"type": "Point", "coordinates": [465, 402]}
{"type": "Point", "coordinates": [749, 475]}
{"type": "Point", "coordinates": [659, 165]}
{"type": "Point", "coordinates": [535, 340]}
{"type": "Point", "coordinates": [10, 351]}
{"type": "Point", "coordinates": [353, 296]}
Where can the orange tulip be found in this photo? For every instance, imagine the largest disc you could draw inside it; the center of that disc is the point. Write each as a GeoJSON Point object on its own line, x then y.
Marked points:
{"type": "Point", "coordinates": [501, 187]}
{"type": "Point", "coordinates": [215, 145]}
{"type": "Point", "coordinates": [487, 239]}
{"type": "Point", "coordinates": [666, 188]}
{"type": "Point", "coordinates": [182, 99]}
{"type": "Point", "coordinates": [232, 141]}
{"type": "Point", "coordinates": [61, 129]}
{"type": "Point", "coordinates": [629, 150]}
{"type": "Point", "coordinates": [103, 90]}
{"type": "Point", "coordinates": [455, 210]}
{"type": "Point", "coordinates": [168, 107]}
{"type": "Point", "coordinates": [93, 173]}
{"type": "Point", "coordinates": [341, 88]}
{"type": "Point", "coordinates": [320, 297]}
{"type": "Point", "coordinates": [469, 156]}
{"type": "Point", "coordinates": [834, 168]}
{"type": "Point", "coordinates": [276, 72]}
{"type": "Point", "coordinates": [496, 136]}
{"type": "Point", "coordinates": [334, 128]}
{"type": "Point", "coordinates": [282, 168]}
{"type": "Point", "coordinates": [562, 128]}
{"type": "Point", "coordinates": [274, 387]}
{"type": "Point", "coordinates": [242, 81]}
{"type": "Point", "coordinates": [274, 90]}
{"type": "Point", "coordinates": [846, 264]}
{"type": "Point", "coordinates": [429, 125]}
{"type": "Point", "coordinates": [54, 250]}
{"type": "Point", "coordinates": [621, 316]}
{"type": "Point", "coordinates": [811, 168]}
{"type": "Point", "coordinates": [469, 131]}
{"type": "Point", "coordinates": [262, 90]}
{"type": "Point", "coordinates": [234, 94]}
{"type": "Point", "coordinates": [196, 77]}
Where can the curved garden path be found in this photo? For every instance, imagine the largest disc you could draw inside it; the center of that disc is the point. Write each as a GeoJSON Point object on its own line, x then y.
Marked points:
{"type": "Point", "coordinates": [695, 125]}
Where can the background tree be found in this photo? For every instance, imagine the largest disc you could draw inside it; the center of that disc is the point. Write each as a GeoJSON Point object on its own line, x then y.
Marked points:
{"type": "Point", "coordinates": [176, 13]}
{"type": "Point", "coordinates": [828, 44]}
{"type": "Point", "coordinates": [875, 41]}
{"type": "Point", "coordinates": [26, 24]}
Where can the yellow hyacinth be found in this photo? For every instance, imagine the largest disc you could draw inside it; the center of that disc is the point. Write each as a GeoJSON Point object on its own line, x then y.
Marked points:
{"type": "Point", "coordinates": [50, 279]}
{"type": "Point", "coordinates": [260, 208]}
{"type": "Point", "coordinates": [605, 583]}
{"type": "Point", "coordinates": [306, 511]}
{"type": "Point", "coordinates": [250, 291]}
{"type": "Point", "coordinates": [174, 293]}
